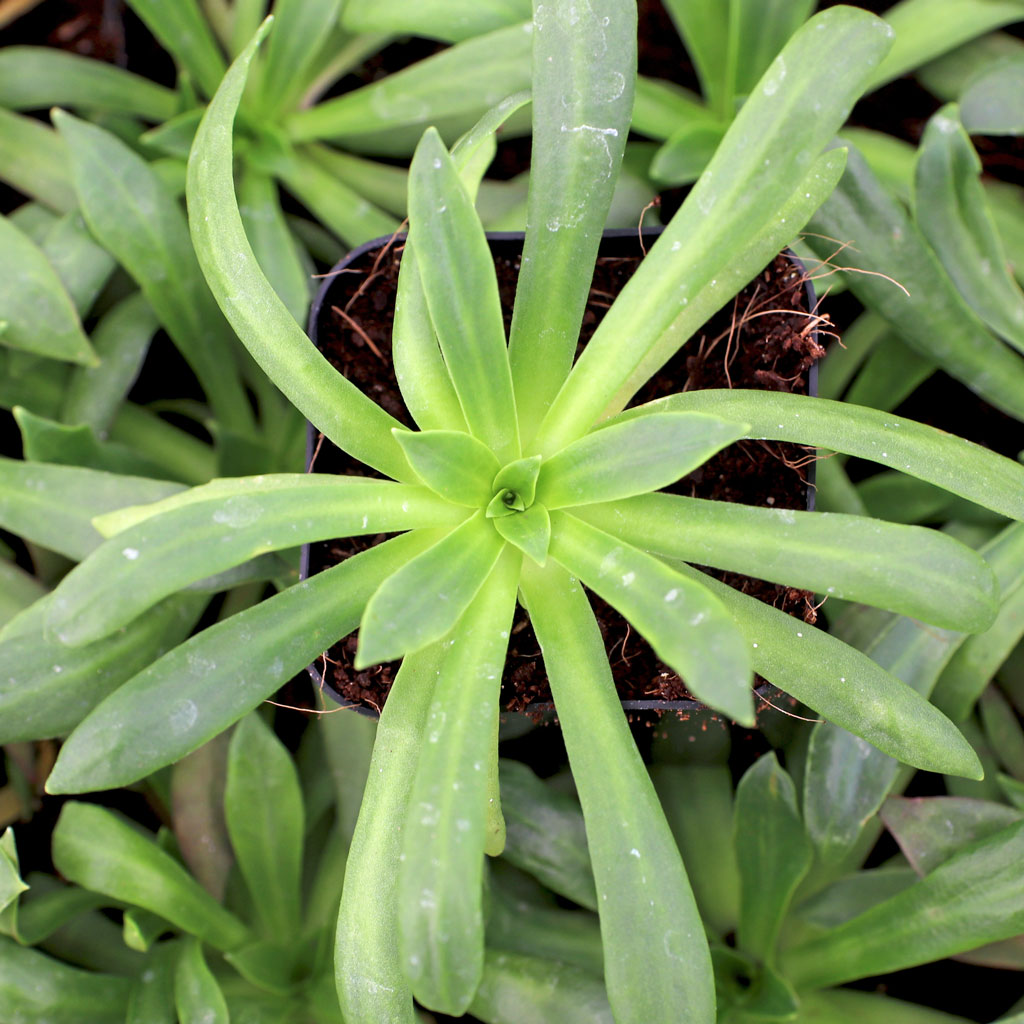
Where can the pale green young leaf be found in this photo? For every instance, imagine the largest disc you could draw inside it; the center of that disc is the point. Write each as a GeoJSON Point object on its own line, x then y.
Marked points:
{"type": "Point", "coordinates": [34, 160]}
{"type": "Point", "coordinates": [632, 457]}
{"type": "Point", "coordinates": [687, 626]}
{"type": "Point", "coordinates": [83, 266]}
{"type": "Point", "coordinates": [758, 30]}
{"type": "Point", "coordinates": [39, 315]}
{"type": "Point", "coordinates": [469, 330]}
{"type": "Point", "coordinates": [891, 374]}
{"type": "Point", "coordinates": [440, 886]}
{"type": "Point", "coordinates": [186, 34]}
{"type": "Point", "coordinates": [474, 151]}
{"type": "Point", "coordinates": [452, 464]}
{"type": "Point", "coordinates": [54, 505]}
{"type": "Point", "coordinates": [264, 814]}
{"type": "Point", "coordinates": [447, 20]}
{"type": "Point", "coordinates": [121, 340]}
{"type": "Point", "coordinates": [11, 884]}
{"type": "Point", "coordinates": [530, 531]}
{"type": "Point", "coordinates": [385, 185]}
{"type": "Point", "coordinates": [907, 569]}
{"type": "Point", "coordinates": [141, 929]}
{"type": "Point", "coordinates": [660, 107]}
{"type": "Point", "coordinates": [773, 853]}
{"type": "Point", "coordinates": [994, 100]}
{"type": "Point", "coordinates": [584, 65]}
{"type": "Point", "coordinates": [97, 850]}
{"type": "Point", "coordinates": [909, 287]}
{"type": "Point", "coordinates": [461, 81]}
{"type": "Point", "coordinates": [134, 217]}
{"type": "Point", "coordinates": [956, 465]}
{"type": "Point", "coordinates": [517, 987]}
{"type": "Point", "coordinates": [765, 180]}
{"type": "Point", "coordinates": [424, 599]}
{"type": "Point", "coordinates": [274, 245]}
{"type": "Point", "coordinates": [521, 478]}
{"type": "Point", "coordinates": [39, 77]}
{"type": "Point", "coordinates": [192, 541]}
{"type": "Point", "coordinates": [975, 897]}
{"type": "Point", "coordinates": [656, 956]}
{"type": "Point", "coordinates": [201, 687]}
{"type": "Point", "coordinates": [704, 27]}
{"type": "Point", "coordinates": [260, 318]}
{"type": "Point", "coordinates": [197, 995]}
{"type": "Point", "coordinates": [951, 211]}
{"type": "Point", "coordinates": [687, 151]}
{"type": "Point", "coordinates": [372, 984]}
{"type": "Point", "coordinates": [845, 686]}
{"type": "Point", "coordinates": [545, 834]}
{"type": "Point", "coordinates": [38, 987]}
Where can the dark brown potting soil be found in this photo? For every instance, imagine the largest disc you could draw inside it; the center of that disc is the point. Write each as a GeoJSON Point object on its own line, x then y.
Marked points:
{"type": "Point", "coordinates": [762, 339]}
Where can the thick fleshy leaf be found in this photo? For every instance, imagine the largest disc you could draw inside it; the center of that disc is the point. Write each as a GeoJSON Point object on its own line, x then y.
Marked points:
{"type": "Point", "coordinates": [197, 996]}
{"type": "Point", "coordinates": [453, 464]}
{"type": "Point", "coordinates": [259, 317]}
{"type": "Point", "coordinates": [35, 987]}
{"type": "Point", "coordinates": [54, 505]}
{"type": "Point", "coordinates": [470, 331]}
{"type": "Point", "coordinates": [96, 849]}
{"type": "Point", "coordinates": [201, 687]}
{"type": "Point", "coordinates": [34, 160]}
{"type": "Point", "coordinates": [908, 569]}
{"type": "Point", "coordinates": [424, 599]}
{"type": "Point", "coordinates": [264, 814]}
{"type": "Point", "coordinates": [584, 66]}
{"type": "Point", "coordinates": [656, 956]}
{"type": "Point", "coordinates": [632, 457]}
{"type": "Point", "coordinates": [773, 854]}
{"type": "Point", "coordinates": [545, 834]}
{"type": "Point", "coordinates": [372, 984]}
{"type": "Point", "coordinates": [688, 627]}
{"type": "Point", "coordinates": [530, 531]}
{"type": "Point", "coordinates": [930, 830]}
{"type": "Point", "coordinates": [974, 898]}
{"type": "Point", "coordinates": [464, 80]}
{"type": "Point", "coordinates": [924, 307]}
{"type": "Point", "coordinates": [956, 465]}
{"type": "Point", "coordinates": [241, 519]}
{"type": "Point", "coordinates": [845, 686]}
{"type": "Point", "coordinates": [518, 989]}
{"type": "Point", "coordinates": [993, 103]}
{"type": "Point", "coordinates": [951, 211]}
{"type": "Point", "coordinates": [440, 886]}
{"type": "Point", "coordinates": [38, 313]}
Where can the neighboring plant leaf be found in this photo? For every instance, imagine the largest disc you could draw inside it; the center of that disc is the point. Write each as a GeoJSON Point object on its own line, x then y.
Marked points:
{"type": "Point", "coordinates": [993, 103]}
{"type": "Point", "coordinates": [96, 849]}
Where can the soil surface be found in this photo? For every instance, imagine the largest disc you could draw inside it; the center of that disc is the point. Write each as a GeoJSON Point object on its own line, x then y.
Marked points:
{"type": "Point", "coordinates": [762, 339]}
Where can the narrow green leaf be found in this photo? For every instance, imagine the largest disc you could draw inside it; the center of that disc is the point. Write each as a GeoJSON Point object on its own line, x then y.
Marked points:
{"type": "Point", "coordinates": [891, 374]}
{"type": "Point", "coordinates": [199, 538]}
{"type": "Point", "coordinates": [688, 627]}
{"type": "Point", "coordinates": [773, 854]}
{"type": "Point", "coordinates": [38, 313]}
{"type": "Point", "coordinates": [18, 589]}
{"type": "Point", "coordinates": [660, 107]}
{"type": "Point", "coordinates": [83, 266]}
{"type": "Point", "coordinates": [10, 879]}
{"type": "Point", "coordinates": [852, 894]}
{"type": "Point", "coordinates": [448, 20]}
{"type": "Point", "coordinates": [152, 996]}
{"type": "Point", "coordinates": [204, 685]}
{"type": "Point", "coordinates": [584, 66]}
{"type": "Point", "coordinates": [656, 957]}
{"type": "Point", "coordinates": [956, 465]}
{"type": "Point", "coordinates": [94, 848]}
{"type": "Point", "coordinates": [975, 897]}
{"type": "Point", "coordinates": [141, 929]}
{"type": "Point", "coordinates": [845, 686]}
{"type": "Point", "coordinates": [261, 320]}
{"type": "Point", "coordinates": [39, 77]}
{"type": "Point", "coordinates": [685, 154]}
{"type": "Point", "coordinates": [452, 464]}
{"type": "Point", "coordinates": [440, 886]}
{"type": "Point", "coordinates": [264, 813]}
{"type": "Point", "coordinates": [269, 964]}
{"type": "Point", "coordinates": [841, 1005]}
{"type": "Point", "coordinates": [186, 34]}
{"type": "Point", "coordinates": [757, 32]}
{"type": "Point", "coordinates": [197, 996]}
{"type": "Point", "coordinates": [36, 987]}
{"type": "Point", "coordinates": [530, 531]}
{"type": "Point", "coordinates": [49, 906]}
{"type": "Point", "coordinates": [704, 27]}
{"type": "Point", "coordinates": [545, 834]}
{"type": "Point", "coordinates": [471, 333]}
{"type": "Point", "coordinates": [133, 216]}
{"type": "Point", "coordinates": [384, 185]}
{"type": "Point", "coordinates": [908, 569]}
{"type": "Point", "coordinates": [993, 101]}
{"type": "Point", "coordinates": [54, 505]}
{"type": "Point", "coordinates": [1003, 729]}
{"type": "Point", "coordinates": [633, 457]}
{"type": "Point", "coordinates": [372, 984]}
{"type": "Point", "coordinates": [519, 989]}
{"type": "Point", "coordinates": [34, 160]}
{"type": "Point", "coordinates": [951, 211]}
{"type": "Point", "coordinates": [424, 599]}
{"type": "Point", "coordinates": [463, 80]}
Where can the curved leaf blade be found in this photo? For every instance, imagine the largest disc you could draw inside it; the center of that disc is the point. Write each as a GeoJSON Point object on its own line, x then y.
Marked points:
{"type": "Point", "coordinates": [452, 464]}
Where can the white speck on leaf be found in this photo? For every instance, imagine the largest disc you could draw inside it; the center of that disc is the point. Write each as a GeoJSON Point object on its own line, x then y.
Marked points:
{"type": "Point", "coordinates": [130, 553]}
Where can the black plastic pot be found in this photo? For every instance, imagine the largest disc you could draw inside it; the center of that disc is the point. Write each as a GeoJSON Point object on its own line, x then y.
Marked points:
{"type": "Point", "coordinates": [618, 242]}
